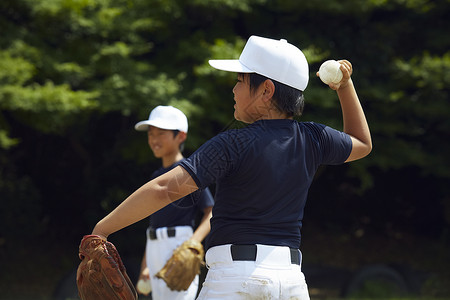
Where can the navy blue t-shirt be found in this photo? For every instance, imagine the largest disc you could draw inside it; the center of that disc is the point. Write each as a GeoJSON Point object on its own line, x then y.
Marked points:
{"type": "Point", "coordinates": [262, 174]}
{"type": "Point", "coordinates": [183, 211]}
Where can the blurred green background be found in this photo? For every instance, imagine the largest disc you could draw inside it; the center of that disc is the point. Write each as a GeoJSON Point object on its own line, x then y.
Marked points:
{"type": "Point", "coordinates": [76, 75]}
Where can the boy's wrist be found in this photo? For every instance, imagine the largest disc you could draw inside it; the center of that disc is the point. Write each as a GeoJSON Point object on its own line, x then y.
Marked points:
{"type": "Point", "coordinates": [347, 84]}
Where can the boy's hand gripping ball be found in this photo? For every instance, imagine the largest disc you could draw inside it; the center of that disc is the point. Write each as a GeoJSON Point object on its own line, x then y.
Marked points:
{"type": "Point", "coordinates": [330, 72]}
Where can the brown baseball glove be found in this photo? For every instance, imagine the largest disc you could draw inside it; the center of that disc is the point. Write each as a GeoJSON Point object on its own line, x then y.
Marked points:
{"type": "Point", "coordinates": [101, 273]}
{"type": "Point", "coordinates": [181, 269]}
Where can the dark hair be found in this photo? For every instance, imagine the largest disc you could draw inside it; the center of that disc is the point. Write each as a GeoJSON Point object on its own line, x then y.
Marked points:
{"type": "Point", "coordinates": [175, 133]}
{"type": "Point", "coordinates": [288, 100]}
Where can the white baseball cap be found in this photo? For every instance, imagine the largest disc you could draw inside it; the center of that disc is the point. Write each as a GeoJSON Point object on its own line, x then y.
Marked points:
{"type": "Point", "coordinates": [275, 59]}
{"type": "Point", "coordinates": [164, 117]}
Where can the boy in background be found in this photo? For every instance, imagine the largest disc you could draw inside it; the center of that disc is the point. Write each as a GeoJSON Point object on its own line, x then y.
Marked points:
{"type": "Point", "coordinates": [167, 129]}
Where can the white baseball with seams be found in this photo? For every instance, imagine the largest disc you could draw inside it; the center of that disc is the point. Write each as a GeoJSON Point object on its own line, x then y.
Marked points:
{"type": "Point", "coordinates": [144, 286]}
{"type": "Point", "coordinates": [330, 72]}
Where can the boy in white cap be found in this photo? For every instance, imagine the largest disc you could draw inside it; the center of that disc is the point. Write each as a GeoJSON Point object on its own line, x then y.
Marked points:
{"type": "Point", "coordinates": [172, 225]}
{"type": "Point", "coordinates": [262, 174]}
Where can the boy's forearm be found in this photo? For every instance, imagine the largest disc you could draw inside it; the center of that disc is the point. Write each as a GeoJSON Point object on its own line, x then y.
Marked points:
{"type": "Point", "coordinates": [204, 228]}
{"type": "Point", "coordinates": [354, 119]}
{"type": "Point", "coordinates": [144, 261]}
{"type": "Point", "coordinates": [146, 200]}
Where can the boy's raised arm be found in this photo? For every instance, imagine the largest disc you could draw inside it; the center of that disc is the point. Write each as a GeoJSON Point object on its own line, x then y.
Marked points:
{"type": "Point", "coordinates": [355, 123]}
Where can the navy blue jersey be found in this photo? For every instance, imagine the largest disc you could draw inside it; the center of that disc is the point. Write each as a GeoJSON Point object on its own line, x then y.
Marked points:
{"type": "Point", "coordinates": [262, 174]}
{"type": "Point", "coordinates": [183, 211]}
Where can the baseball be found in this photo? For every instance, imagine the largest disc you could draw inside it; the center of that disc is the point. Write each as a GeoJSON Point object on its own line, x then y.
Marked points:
{"type": "Point", "coordinates": [143, 286]}
{"type": "Point", "coordinates": [330, 72]}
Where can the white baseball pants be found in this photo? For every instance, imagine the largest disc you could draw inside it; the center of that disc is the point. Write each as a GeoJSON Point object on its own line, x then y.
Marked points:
{"type": "Point", "coordinates": [270, 276]}
{"type": "Point", "coordinates": [158, 252]}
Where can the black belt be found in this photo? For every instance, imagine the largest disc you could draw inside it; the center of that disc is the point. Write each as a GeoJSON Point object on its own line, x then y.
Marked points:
{"type": "Point", "coordinates": [248, 253]}
{"type": "Point", "coordinates": [152, 232]}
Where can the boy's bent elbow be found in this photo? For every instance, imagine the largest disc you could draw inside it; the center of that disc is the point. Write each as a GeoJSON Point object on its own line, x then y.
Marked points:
{"type": "Point", "coordinates": [367, 150]}
{"type": "Point", "coordinates": [359, 150]}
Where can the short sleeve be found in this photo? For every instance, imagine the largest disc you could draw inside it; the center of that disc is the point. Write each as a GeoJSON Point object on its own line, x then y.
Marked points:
{"type": "Point", "coordinates": [334, 146]}
{"type": "Point", "coordinates": [210, 162]}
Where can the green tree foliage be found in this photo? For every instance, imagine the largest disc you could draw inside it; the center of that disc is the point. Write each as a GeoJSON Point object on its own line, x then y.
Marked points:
{"type": "Point", "coordinates": [75, 75]}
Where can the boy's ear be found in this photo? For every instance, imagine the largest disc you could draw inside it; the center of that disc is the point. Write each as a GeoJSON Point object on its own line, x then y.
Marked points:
{"type": "Point", "coordinates": [181, 136]}
{"type": "Point", "coordinates": [269, 89]}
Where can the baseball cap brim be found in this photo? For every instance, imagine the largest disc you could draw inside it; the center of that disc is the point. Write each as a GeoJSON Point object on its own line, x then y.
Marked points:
{"type": "Point", "coordinates": [143, 125]}
{"type": "Point", "coordinates": [230, 65]}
